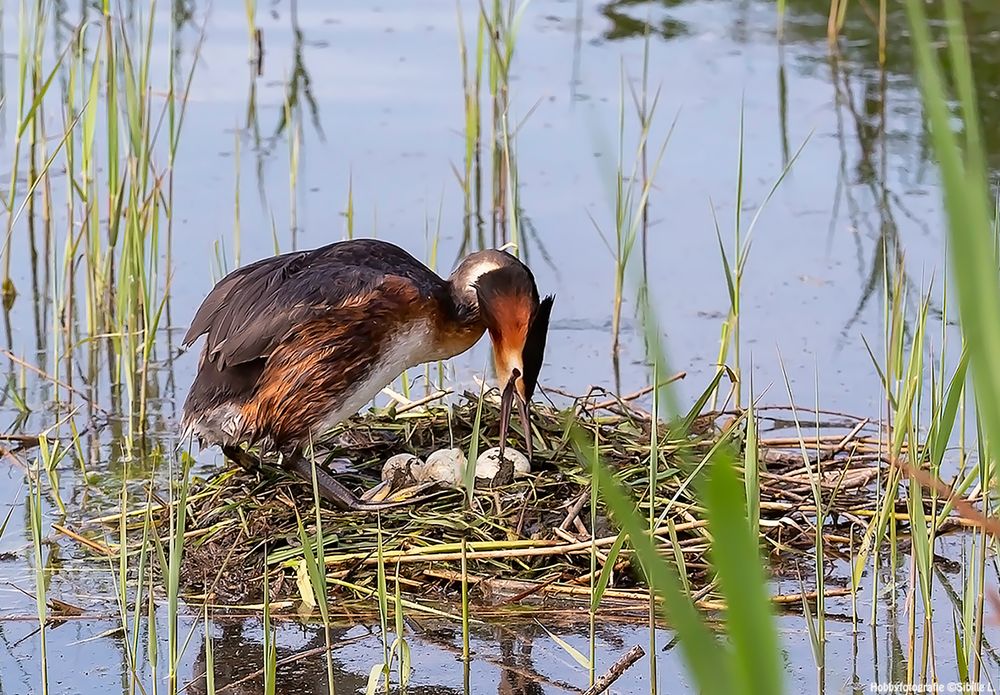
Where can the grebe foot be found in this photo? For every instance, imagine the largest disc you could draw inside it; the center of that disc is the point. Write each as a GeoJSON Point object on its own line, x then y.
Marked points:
{"type": "Point", "coordinates": [339, 495]}
{"type": "Point", "coordinates": [242, 458]}
{"type": "Point", "coordinates": [385, 492]}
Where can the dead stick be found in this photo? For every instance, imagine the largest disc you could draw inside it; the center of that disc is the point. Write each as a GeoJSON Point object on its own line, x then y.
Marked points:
{"type": "Point", "coordinates": [904, 516]}
{"type": "Point", "coordinates": [575, 509]}
{"type": "Point", "coordinates": [827, 439]}
{"type": "Point", "coordinates": [20, 438]}
{"type": "Point", "coordinates": [542, 550]}
{"type": "Point", "coordinates": [616, 670]}
{"type": "Point", "coordinates": [83, 540]}
{"type": "Point", "coordinates": [424, 401]}
{"type": "Point", "coordinates": [522, 586]}
{"type": "Point", "coordinates": [640, 393]}
{"type": "Point", "coordinates": [851, 435]}
{"type": "Point", "coordinates": [990, 524]}
{"type": "Point", "coordinates": [18, 361]}
{"type": "Point", "coordinates": [8, 454]}
{"type": "Point", "coordinates": [810, 595]}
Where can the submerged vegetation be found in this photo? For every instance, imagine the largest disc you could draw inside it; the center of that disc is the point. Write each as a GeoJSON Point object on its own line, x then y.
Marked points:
{"type": "Point", "coordinates": [699, 518]}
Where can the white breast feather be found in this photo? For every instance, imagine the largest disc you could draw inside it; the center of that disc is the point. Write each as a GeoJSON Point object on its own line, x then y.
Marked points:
{"type": "Point", "coordinates": [408, 348]}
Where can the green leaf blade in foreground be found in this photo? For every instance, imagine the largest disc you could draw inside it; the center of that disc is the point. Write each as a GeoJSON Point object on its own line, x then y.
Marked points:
{"type": "Point", "coordinates": [735, 557]}
{"type": "Point", "coordinates": [963, 179]}
{"type": "Point", "coordinates": [709, 662]}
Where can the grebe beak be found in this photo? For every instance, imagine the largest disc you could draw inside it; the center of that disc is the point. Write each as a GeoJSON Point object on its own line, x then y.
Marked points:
{"type": "Point", "coordinates": [508, 397]}
{"type": "Point", "coordinates": [518, 373]}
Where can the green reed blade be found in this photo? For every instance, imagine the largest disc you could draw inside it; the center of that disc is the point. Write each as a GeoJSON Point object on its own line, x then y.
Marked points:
{"type": "Point", "coordinates": [751, 464]}
{"type": "Point", "coordinates": [963, 178]}
{"type": "Point", "coordinates": [749, 620]}
{"type": "Point", "coordinates": [711, 665]}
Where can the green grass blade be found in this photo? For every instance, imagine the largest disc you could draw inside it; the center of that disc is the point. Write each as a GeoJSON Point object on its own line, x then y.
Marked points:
{"type": "Point", "coordinates": [699, 405]}
{"type": "Point", "coordinates": [681, 563]}
{"type": "Point", "coordinates": [577, 656]}
{"type": "Point", "coordinates": [10, 512]}
{"type": "Point", "coordinates": [605, 576]}
{"type": "Point", "coordinates": [734, 555]}
{"type": "Point", "coordinates": [966, 201]}
{"type": "Point", "coordinates": [209, 658]}
{"type": "Point", "coordinates": [469, 474]}
{"type": "Point", "coordinates": [751, 468]}
{"type": "Point", "coordinates": [945, 421]}
{"type": "Point", "coordinates": [709, 662]}
{"type": "Point", "coordinates": [961, 662]}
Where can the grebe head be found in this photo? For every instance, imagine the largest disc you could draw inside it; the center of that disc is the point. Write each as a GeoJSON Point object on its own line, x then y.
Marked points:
{"type": "Point", "coordinates": [504, 292]}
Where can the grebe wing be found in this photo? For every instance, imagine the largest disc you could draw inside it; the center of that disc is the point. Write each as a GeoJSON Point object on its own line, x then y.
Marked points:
{"type": "Point", "coordinates": [250, 311]}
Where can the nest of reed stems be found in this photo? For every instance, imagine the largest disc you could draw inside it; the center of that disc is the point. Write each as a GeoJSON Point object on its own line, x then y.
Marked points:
{"type": "Point", "coordinates": [531, 541]}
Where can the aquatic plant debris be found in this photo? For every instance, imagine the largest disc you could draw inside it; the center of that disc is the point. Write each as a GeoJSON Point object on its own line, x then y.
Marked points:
{"type": "Point", "coordinates": [525, 542]}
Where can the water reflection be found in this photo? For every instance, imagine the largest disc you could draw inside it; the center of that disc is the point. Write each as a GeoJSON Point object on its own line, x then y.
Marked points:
{"type": "Point", "coordinates": [299, 85]}
{"type": "Point", "coordinates": [805, 22]}
{"type": "Point", "coordinates": [882, 143]}
{"type": "Point", "coordinates": [237, 649]}
{"type": "Point", "coordinates": [236, 656]}
{"type": "Point", "coordinates": [625, 22]}
{"type": "Point", "coordinates": [298, 98]}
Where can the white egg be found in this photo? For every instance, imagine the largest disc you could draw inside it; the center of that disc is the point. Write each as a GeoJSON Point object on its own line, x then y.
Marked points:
{"type": "Point", "coordinates": [443, 466]}
{"type": "Point", "coordinates": [487, 466]}
{"type": "Point", "coordinates": [488, 463]}
{"type": "Point", "coordinates": [403, 467]}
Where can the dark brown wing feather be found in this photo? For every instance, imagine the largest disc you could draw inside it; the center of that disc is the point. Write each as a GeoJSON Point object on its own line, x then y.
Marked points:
{"type": "Point", "coordinates": [251, 310]}
{"type": "Point", "coordinates": [312, 373]}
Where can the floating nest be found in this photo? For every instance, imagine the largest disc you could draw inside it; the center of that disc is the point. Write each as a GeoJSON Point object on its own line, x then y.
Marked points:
{"type": "Point", "coordinates": [538, 539]}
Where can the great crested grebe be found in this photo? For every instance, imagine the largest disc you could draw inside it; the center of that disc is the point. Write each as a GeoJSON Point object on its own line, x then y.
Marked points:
{"type": "Point", "coordinates": [299, 342]}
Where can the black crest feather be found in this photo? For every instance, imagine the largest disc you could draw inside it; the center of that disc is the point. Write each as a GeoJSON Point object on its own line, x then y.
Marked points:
{"type": "Point", "coordinates": [534, 345]}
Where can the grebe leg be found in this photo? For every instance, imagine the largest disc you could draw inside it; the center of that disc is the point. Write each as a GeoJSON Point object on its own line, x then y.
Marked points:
{"type": "Point", "coordinates": [329, 488]}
